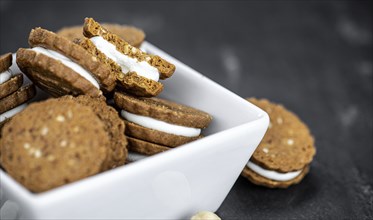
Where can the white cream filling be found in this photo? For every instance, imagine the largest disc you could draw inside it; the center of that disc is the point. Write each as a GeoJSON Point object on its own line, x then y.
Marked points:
{"type": "Point", "coordinates": [12, 112]}
{"type": "Point", "coordinates": [69, 63]}
{"type": "Point", "coordinates": [273, 175]}
{"type": "Point", "coordinates": [5, 76]}
{"type": "Point", "coordinates": [128, 64]}
{"type": "Point", "coordinates": [161, 125]}
{"type": "Point", "coordinates": [135, 156]}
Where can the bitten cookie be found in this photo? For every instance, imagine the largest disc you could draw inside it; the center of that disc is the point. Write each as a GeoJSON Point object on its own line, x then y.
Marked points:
{"type": "Point", "coordinates": [286, 151]}
{"type": "Point", "coordinates": [132, 35]}
{"type": "Point", "coordinates": [60, 67]}
{"type": "Point", "coordinates": [61, 142]}
{"type": "Point", "coordinates": [154, 125]}
{"type": "Point", "coordinates": [135, 70]}
{"type": "Point", "coordinates": [114, 126]}
{"type": "Point", "coordinates": [13, 96]}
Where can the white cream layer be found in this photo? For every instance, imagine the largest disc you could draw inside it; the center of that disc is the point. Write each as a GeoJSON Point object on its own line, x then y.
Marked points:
{"type": "Point", "coordinates": [5, 76]}
{"type": "Point", "coordinates": [273, 175]}
{"type": "Point", "coordinates": [69, 63]}
{"type": "Point", "coordinates": [161, 125]}
{"type": "Point", "coordinates": [135, 156]}
{"type": "Point", "coordinates": [12, 112]}
{"type": "Point", "coordinates": [128, 64]}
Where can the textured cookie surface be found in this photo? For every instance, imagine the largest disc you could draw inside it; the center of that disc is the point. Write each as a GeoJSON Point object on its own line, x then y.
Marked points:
{"type": "Point", "coordinates": [61, 142]}
{"type": "Point", "coordinates": [17, 98]}
{"type": "Point", "coordinates": [114, 126]}
{"type": "Point", "coordinates": [163, 110]}
{"type": "Point", "coordinates": [52, 76]}
{"type": "Point", "coordinates": [144, 147]}
{"type": "Point", "coordinates": [287, 145]}
{"type": "Point", "coordinates": [47, 39]}
{"type": "Point", "coordinates": [11, 85]}
{"type": "Point", "coordinates": [157, 137]}
{"type": "Point", "coordinates": [262, 181]}
{"type": "Point", "coordinates": [92, 28]}
{"type": "Point", "coordinates": [132, 35]}
{"type": "Point", "coordinates": [5, 62]}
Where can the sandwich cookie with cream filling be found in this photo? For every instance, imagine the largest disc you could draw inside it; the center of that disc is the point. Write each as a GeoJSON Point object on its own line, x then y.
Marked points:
{"type": "Point", "coordinates": [284, 155]}
{"type": "Point", "coordinates": [13, 96]}
{"type": "Point", "coordinates": [155, 125]}
{"type": "Point", "coordinates": [60, 67]}
{"type": "Point", "coordinates": [136, 71]}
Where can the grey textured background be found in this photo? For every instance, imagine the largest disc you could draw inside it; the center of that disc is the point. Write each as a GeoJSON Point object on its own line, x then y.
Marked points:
{"type": "Point", "coordinates": [314, 57]}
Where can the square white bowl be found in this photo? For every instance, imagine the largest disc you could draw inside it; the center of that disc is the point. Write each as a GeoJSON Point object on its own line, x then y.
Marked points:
{"type": "Point", "coordinates": [171, 185]}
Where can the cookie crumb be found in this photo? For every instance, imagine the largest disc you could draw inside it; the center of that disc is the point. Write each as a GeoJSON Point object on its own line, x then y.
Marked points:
{"type": "Point", "coordinates": [26, 146]}
{"type": "Point", "coordinates": [60, 118]}
{"type": "Point", "coordinates": [279, 121]}
{"type": "Point", "coordinates": [290, 142]}
{"type": "Point", "coordinates": [44, 131]}
{"type": "Point", "coordinates": [37, 153]}
{"type": "Point", "coordinates": [265, 150]}
{"type": "Point", "coordinates": [63, 143]}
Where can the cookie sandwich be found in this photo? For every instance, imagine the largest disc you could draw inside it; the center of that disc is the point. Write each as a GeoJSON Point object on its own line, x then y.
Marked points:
{"type": "Point", "coordinates": [134, 36]}
{"type": "Point", "coordinates": [64, 140]}
{"type": "Point", "coordinates": [154, 125]}
{"type": "Point", "coordinates": [13, 96]}
{"type": "Point", "coordinates": [135, 70]}
{"type": "Point", "coordinates": [284, 155]}
{"type": "Point", "coordinates": [60, 67]}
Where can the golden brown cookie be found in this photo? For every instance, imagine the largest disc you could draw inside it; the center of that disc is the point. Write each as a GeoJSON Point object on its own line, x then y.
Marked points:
{"type": "Point", "coordinates": [5, 62]}
{"type": "Point", "coordinates": [144, 147]}
{"type": "Point", "coordinates": [157, 137]}
{"type": "Point", "coordinates": [132, 62]}
{"type": "Point", "coordinates": [17, 98]}
{"type": "Point", "coordinates": [62, 141]}
{"type": "Point", "coordinates": [163, 110]}
{"type": "Point", "coordinates": [11, 85]}
{"type": "Point", "coordinates": [285, 152]}
{"type": "Point", "coordinates": [132, 35]}
{"type": "Point", "coordinates": [55, 64]}
{"type": "Point", "coordinates": [158, 123]}
{"type": "Point", "coordinates": [114, 126]}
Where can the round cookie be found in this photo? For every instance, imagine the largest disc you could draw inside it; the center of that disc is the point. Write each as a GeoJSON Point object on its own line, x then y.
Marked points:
{"type": "Point", "coordinates": [114, 126]}
{"type": "Point", "coordinates": [158, 137]}
{"type": "Point", "coordinates": [285, 152]}
{"type": "Point", "coordinates": [132, 35]}
{"type": "Point", "coordinates": [157, 120]}
{"type": "Point", "coordinates": [61, 142]}
{"type": "Point", "coordinates": [163, 110]}
{"type": "Point", "coordinates": [61, 67]}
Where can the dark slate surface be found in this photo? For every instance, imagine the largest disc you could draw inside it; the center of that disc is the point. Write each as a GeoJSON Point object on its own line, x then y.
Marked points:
{"type": "Point", "coordinates": [314, 57]}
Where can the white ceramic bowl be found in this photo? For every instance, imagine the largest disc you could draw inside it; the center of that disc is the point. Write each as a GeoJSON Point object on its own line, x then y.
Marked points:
{"type": "Point", "coordinates": [171, 185]}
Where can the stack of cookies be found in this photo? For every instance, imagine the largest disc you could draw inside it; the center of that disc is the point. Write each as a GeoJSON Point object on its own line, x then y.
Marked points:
{"type": "Point", "coordinates": [75, 133]}
{"type": "Point", "coordinates": [153, 125]}
{"type": "Point", "coordinates": [13, 96]}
